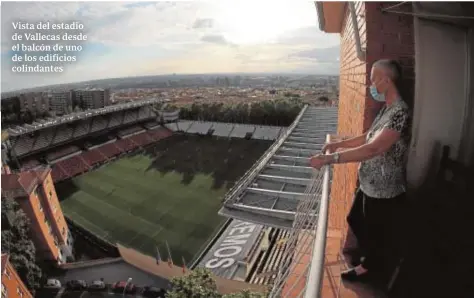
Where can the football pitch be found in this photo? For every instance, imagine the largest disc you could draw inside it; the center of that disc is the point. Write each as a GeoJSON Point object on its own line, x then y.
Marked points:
{"type": "Point", "coordinates": [169, 193]}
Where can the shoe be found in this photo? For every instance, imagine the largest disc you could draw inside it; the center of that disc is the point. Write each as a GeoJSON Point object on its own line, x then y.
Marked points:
{"type": "Point", "coordinates": [351, 275]}
{"type": "Point", "coordinates": [357, 261]}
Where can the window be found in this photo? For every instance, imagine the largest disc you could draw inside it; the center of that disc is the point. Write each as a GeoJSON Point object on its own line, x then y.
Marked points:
{"type": "Point", "coordinates": [50, 194]}
{"type": "Point", "coordinates": [49, 226]}
{"type": "Point", "coordinates": [4, 291]}
{"type": "Point", "coordinates": [7, 273]}
{"type": "Point", "coordinates": [54, 208]}
{"type": "Point", "coordinates": [19, 291]}
{"type": "Point", "coordinates": [36, 191]}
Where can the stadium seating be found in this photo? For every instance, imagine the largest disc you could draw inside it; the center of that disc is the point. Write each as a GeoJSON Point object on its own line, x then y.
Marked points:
{"type": "Point", "coordinates": [72, 166]}
{"type": "Point", "coordinates": [63, 134]}
{"type": "Point", "coordinates": [58, 174]}
{"type": "Point", "coordinates": [109, 150]}
{"type": "Point", "coordinates": [98, 123]}
{"type": "Point", "coordinates": [61, 153]}
{"type": "Point", "coordinates": [81, 129]}
{"type": "Point", "coordinates": [130, 116]}
{"type": "Point", "coordinates": [43, 140]}
{"type": "Point", "coordinates": [144, 113]}
{"type": "Point", "coordinates": [159, 133]}
{"type": "Point", "coordinates": [115, 119]}
{"type": "Point", "coordinates": [93, 156]}
{"type": "Point", "coordinates": [151, 124]}
{"type": "Point", "coordinates": [126, 145]}
{"type": "Point", "coordinates": [130, 130]}
{"type": "Point", "coordinates": [24, 144]}
{"type": "Point", "coordinates": [29, 164]}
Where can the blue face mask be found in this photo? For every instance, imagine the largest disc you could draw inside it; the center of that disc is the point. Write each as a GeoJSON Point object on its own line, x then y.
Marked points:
{"type": "Point", "coordinates": [380, 97]}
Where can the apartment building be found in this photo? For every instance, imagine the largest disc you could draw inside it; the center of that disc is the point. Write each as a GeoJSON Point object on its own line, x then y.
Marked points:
{"type": "Point", "coordinates": [60, 102]}
{"type": "Point", "coordinates": [12, 285]}
{"type": "Point", "coordinates": [92, 98]}
{"type": "Point", "coordinates": [35, 102]}
{"type": "Point", "coordinates": [34, 191]}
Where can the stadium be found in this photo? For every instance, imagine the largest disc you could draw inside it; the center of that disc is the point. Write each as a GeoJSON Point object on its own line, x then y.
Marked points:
{"type": "Point", "coordinates": [140, 178]}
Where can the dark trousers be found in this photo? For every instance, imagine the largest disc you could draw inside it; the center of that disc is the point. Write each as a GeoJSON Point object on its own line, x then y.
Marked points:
{"type": "Point", "coordinates": [378, 225]}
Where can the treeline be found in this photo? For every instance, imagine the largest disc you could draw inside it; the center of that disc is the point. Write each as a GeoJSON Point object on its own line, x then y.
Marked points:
{"type": "Point", "coordinates": [280, 112]}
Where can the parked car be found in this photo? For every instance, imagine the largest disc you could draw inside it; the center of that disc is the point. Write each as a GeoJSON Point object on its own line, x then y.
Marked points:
{"type": "Point", "coordinates": [153, 292]}
{"type": "Point", "coordinates": [119, 287]}
{"type": "Point", "coordinates": [52, 283]}
{"type": "Point", "coordinates": [97, 285]}
{"type": "Point", "coordinates": [76, 285]}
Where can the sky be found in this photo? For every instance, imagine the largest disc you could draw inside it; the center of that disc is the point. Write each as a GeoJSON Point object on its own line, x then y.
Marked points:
{"type": "Point", "coordinates": [152, 38]}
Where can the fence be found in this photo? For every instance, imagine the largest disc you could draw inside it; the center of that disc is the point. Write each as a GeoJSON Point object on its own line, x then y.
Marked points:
{"type": "Point", "coordinates": [297, 276]}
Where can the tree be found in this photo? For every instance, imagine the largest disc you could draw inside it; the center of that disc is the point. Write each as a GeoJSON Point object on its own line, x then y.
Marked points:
{"type": "Point", "coordinates": [16, 242]}
{"type": "Point", "coordinates": [246, 294]}
{"type": "Point", "coordinates": [200, 284]}
{"type": "Point", "coordinates": [197, 284]}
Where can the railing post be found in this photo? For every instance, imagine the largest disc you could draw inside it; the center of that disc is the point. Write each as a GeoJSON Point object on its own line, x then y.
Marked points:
{"type": "Point", "coordinates": [314, 279]}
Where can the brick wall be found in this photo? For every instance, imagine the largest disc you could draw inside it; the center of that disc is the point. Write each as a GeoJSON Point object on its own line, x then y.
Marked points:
{"type": "Point", "coordinates": [383, 35]}
{"type": "Point", "coordinates": [391, 37]}
{"type": "Point", "coordinates": [352, 103]}
{"type": "Point", "coordinates": [13, 284]}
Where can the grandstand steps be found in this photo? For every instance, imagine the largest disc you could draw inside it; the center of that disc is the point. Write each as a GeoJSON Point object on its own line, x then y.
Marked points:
{"type": "Point", "coordinates": [84, 161]}
{"type": "Point", "coordinates": [267, 267]}
{"type": "Point", "coordinates": [100, 152]}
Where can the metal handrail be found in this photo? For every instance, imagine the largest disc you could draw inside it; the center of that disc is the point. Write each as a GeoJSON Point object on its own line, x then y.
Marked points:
{"type": "Point", "coordinates": [314, 280]}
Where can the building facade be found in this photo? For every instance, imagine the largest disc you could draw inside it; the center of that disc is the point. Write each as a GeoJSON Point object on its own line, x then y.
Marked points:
{"type": "Point", "coordinates": [12, 285]}
{"type": "Point", "coordinates": [92, 98]}
{"type": "Point", "coordinates": [61, 102]}
{"type": "Point", "coordinates": [34, 102]}
{"type": "Point", "coordinates": [36, 195]}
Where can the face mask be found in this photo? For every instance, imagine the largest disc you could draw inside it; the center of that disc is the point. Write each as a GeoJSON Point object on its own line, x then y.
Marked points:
{"type": "Point", "coordinates": [376, 95]}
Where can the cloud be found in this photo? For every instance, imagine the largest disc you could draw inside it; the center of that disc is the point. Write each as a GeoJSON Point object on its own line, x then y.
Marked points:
{"type": "Point", "coordinates": [215, 38]}
{"type": "Point", "coordinates": [146, 38]}
{"type": "Point", "coordinates": [203, 23]}
{"type": "Point", "coordinates": [323, 55]}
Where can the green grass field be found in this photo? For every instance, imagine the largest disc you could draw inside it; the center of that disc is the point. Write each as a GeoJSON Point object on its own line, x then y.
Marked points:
{"type": "Point", "coordinates": [170, 192]}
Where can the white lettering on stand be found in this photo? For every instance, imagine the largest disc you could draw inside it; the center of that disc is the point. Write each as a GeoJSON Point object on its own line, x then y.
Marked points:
{"type": "Point", "coordinates": [231, 246]}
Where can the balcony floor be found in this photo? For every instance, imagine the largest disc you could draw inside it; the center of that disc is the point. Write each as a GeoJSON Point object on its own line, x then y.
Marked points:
{"type": "Point", "coordinates": [437, 262]}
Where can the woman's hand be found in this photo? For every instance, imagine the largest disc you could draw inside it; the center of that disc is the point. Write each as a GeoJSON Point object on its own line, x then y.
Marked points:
{"type": "Point", "coordinates": [332, 147]}
{"type": "Point", "coordinates": [319, 160]}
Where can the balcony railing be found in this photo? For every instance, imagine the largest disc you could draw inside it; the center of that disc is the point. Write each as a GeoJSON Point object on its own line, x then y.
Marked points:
{"type": "Point", "coordinates": [301, 275]}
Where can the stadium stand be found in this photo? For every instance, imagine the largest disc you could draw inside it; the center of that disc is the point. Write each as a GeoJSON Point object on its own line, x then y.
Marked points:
{"type": "Point", "coordinates": [42, 135]}
{"type": "Point", "coordinates": [24, 144]}
{"type": "Point", "coordinates": [71, 161]}
{"type": "Point", "coordinates": [93, 157]}
{"type": "Point", "coordinates": [231, 130]}
{"type": "Point", "coordinates": [242, 130]}
{"type": "Point", "coordinates": [130, 131]}
{"type": "Point", "coordinates": [30, 164]}
{"type": "Point", "coordinates": [267, 267]}
{"type": "Point", "coordinates": [81, 129]}
{"type": "Point", "coordinates": [151, 125]}
{"type": "Point", "coordinates": [43, 140]}
{"type": "Point", "coordinates": [61, 153]}
{"type": "Point", "coordinates": [199, 127]}
{"type": "Point", "coordinates": [63, 134]}
{"type": "Point", "coordinates": [72, 166]}
{"type": "Point", "coordinates": [98, 124]}
{"type": "Point", "coordinates": [109, 150]}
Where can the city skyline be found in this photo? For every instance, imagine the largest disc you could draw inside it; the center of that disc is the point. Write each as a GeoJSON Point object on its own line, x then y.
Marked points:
{"type": "Point", "coordinates": [189, 38]}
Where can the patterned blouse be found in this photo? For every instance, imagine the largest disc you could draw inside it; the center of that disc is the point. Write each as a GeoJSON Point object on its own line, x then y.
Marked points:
{"type": "Point", "coordinates": [383, 176]}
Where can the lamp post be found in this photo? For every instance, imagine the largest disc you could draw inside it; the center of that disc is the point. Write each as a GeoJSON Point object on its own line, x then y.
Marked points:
{"type": "Point", "coordinates": [129, 280]}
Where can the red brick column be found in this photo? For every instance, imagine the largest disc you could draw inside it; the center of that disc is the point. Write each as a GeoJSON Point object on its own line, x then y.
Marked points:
{"type": "Point", "coordinates": [383, 36]}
